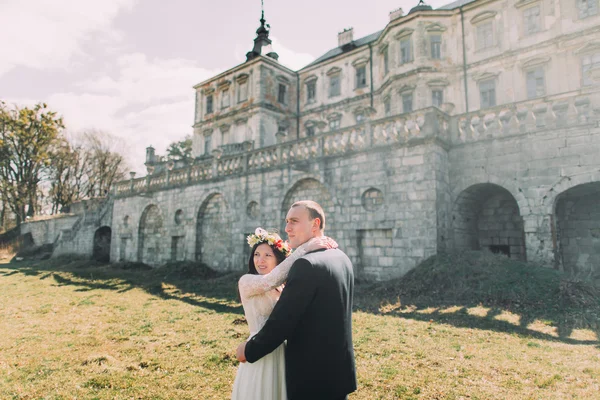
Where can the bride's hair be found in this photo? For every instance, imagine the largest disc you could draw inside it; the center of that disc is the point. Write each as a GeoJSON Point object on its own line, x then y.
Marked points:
{"type": "Point", "coordinates": [252, 268]}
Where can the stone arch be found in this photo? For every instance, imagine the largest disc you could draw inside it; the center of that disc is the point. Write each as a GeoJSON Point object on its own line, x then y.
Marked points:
{"type": "Point", "coordinates": [214, 232]}
{"type": "Point", "coordinates": [486, 215]}
{"type": "Point", "coordinates": [549, 199]}
{"type": "Point", "coordinates": [310, 189]}
{"type": "Point", "coordinates": [150, 235]}
{"type": "Point", "coordinates": [101, 249]}
{"type": "Point", "coordinates": [507, 184]}
{"type": "Point", "coordinates": [577, 217]}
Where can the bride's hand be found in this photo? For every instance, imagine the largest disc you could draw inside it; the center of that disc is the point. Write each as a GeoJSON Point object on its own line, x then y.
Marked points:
{"type": "Point", "coordinates": [323, 242]}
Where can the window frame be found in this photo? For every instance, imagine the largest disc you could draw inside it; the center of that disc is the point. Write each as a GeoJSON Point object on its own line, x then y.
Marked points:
{"type": "Point", "coordinates": [406, 96]}
{"type": "Point", "coordinates": [439, 46]}
{"type": "Point", "coordinates": [282, 94]}
{"type": "Point", "coordinates": [533, 70]}
{"type": "Point", "coordinates": [481, 85]}
{"type": "Point", "coordinates": [487, 22]}
{"type": "Point", "coordinates": [433, 97]}
{"type": "Point", "coordinates": [210, 102]}
{"type": "Point", "coordinates": [526, 30]}
{"type": "Point", "coordinates": [585, 12]}
{"type": "Point", "coordinates": [358, 84]}
{"type": "Point", "coordinates": [311, 99]}
{"type": "Point", "coordinates": [406, 39]}
{"type": "Point", "coordinates": [338, 78]}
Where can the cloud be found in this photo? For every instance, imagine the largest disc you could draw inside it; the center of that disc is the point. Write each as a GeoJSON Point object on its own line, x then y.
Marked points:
{"type": "Point", "coordinates": [147, 102]}
{"type": "Point", "coordinates": [51, 34]}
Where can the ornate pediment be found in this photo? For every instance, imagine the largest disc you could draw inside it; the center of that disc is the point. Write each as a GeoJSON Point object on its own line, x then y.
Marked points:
{"type": "Point", "coordinates": [523, 3]}
{"type": "Point", "coordinates": [334, 116]}
{"type": "Point", "coordinates": [310, 78]}
{"type": "Point", "coordinates": [334, 70]}
{"type": "Point", "coordinates": [591, 47]}
{"type": "Point", "coordinates": [435, 27]}
{"type": "Point", "coordinates": [207, 132]}
{"type": "Point", "coordinates": [484, 76]}
{"type": "Point", "coordinates": [438, 82]}
{"type": "Point", "coordinates": [406, 88]}
{"type": "Point", "coordinates": [383, 47]}
{"type": "Point", "coordinates": [224, 84]}
{"type": "Point", "coordinates": [403, 33]}
{"type": "Point", "coordinates": [208, 90]}
{"type": "Point", "coordinates": [535, 62]}
{"type": "Point", "coordinates": [359, 62]}
{"type": "Point", "coordinates": [482, 16]}
{"type": "Point", "coordinates": [283, 79]}
{"type": "Point", "coordinates": [242, 78]}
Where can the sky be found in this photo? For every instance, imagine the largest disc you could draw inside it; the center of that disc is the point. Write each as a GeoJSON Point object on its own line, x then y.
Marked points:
{"type": "Point", "coordinates": [128, 67]}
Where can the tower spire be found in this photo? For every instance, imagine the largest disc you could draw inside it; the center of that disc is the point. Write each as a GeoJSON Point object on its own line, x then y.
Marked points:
{"type": "Point", "coordinates": [262, 41]}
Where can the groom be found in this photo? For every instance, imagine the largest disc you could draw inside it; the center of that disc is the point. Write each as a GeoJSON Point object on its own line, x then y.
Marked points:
{"type": "Point", "coordinates": [314, 315]}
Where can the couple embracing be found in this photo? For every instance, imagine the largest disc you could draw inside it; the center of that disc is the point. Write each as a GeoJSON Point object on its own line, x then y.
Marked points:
{"type": "Point", "coordinates": [302, 298]}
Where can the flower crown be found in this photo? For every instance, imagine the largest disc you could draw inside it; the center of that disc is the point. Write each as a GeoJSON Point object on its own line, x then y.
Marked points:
{"type": "Point", "coordinates": [260, 235]}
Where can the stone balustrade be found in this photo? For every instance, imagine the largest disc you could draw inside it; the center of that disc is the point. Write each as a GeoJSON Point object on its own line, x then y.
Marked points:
{"type": "Point", "coordinates": [528, 116]}
{"type": "Point", "coordinates": [397, 130]}
{"type": "Point", "coordinates": [429, 123]}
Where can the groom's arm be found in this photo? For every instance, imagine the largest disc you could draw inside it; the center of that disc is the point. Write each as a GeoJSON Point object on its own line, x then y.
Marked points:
{"type": "Point", "coordinates": [298, 293]}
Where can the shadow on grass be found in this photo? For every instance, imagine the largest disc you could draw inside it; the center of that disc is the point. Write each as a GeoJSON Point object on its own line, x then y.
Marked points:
{"type": "Point", "coordinates": [489, 282]}
{"type": "Point", "coordinates": [509, 297]}
{"type": "Point", "coordinates": [199, 287]}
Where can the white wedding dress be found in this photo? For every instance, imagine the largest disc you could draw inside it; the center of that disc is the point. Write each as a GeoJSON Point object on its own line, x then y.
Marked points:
{"type": "Point", "coordinates": [265, 378]}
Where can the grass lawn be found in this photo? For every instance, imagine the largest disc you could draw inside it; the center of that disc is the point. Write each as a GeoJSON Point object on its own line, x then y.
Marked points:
{"type": "Point", "coordinates": [72, 329]}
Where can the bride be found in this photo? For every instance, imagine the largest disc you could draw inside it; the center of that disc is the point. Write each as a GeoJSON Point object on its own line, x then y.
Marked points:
{"type": "Point", "coordinates": [270, 261]}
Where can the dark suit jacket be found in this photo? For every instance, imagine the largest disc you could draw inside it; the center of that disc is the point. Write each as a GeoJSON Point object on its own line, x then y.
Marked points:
{"type": "Point", "coordinates": [314, 315]}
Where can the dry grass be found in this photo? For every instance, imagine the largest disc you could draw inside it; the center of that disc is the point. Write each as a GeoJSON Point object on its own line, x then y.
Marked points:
{"type": "Point", "coordinates": [73, 329]}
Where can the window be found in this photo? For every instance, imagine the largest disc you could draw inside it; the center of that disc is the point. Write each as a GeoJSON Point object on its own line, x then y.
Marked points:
{"type": "Point", "coordinates": [532, 21]}
{"type": "Point", "coordinates": [334, 86]}
{"type": "Point", "coordinates": [311, 92]}
{"type": "Point", "coordinates": [209, 104]}
{"type": "Point", "coordinates": [310, 131]}
{"type": "Point", "coordinates": [407, 102]}
{"type": "Point", "coordinates": [485, 35]}
{"type": "Point", "coordinates": [587, 8]}
{"type": "Point", "coordinates": [281, 95]}
{"type": "Point", "coordinates": [589, 62]}
{"type": "Point", "coordinates": [334, 124]}
{"type": "Point", "coordinates": [435, 42]}
{"type": "Point", "coordinates": [225, 99]}
{"type": "Point", "coordinates": [487, 93]}
{"type": "Point", "coordinates": [387, 106]}
{"type": "Point", "coordinates": [361, 77]}
{"type": "Point", "coordinates": [386, 62]}
{"type": "Point", "coordinates": [207, 144]}
{"type": "Point", "coordinates": [437, 97]}
{"type": "Point", "coordinates": [242, 92]}
{"type": "Point", "coordinates": [405, 50]}
{"type": "Point", "coordinates": [536, 86]}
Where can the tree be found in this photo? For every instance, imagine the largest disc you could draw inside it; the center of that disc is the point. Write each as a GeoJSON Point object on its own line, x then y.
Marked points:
{"type": "Point", "coordinates": [84, 166]}
{"type": "Point", "coordinates": [26, 136]}
{"type": "Point", "coordinates": [68, 174]}
{"type": "Point", "coordinates": [106, 164]}
{"type": "Point", "coordinates": [181, 150]}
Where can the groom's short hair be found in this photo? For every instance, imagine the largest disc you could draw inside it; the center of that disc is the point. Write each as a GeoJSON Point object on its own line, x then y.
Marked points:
{"type": "Point", "coordinates": [314, 210]}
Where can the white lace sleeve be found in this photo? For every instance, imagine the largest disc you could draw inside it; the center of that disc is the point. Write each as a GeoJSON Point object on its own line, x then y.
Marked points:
{"type": "Point", "coordinates": [252, 285]}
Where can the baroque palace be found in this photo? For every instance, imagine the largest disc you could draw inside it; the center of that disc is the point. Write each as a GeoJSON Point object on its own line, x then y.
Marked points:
{"type": "Point", "coordinates": [471, 126]}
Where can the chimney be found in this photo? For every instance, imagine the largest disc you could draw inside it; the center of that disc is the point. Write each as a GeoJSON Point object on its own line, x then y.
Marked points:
{"type": "Point", "coordinates": [396, 14]}
{"type": "Point", "coordinates": [345, 37]}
